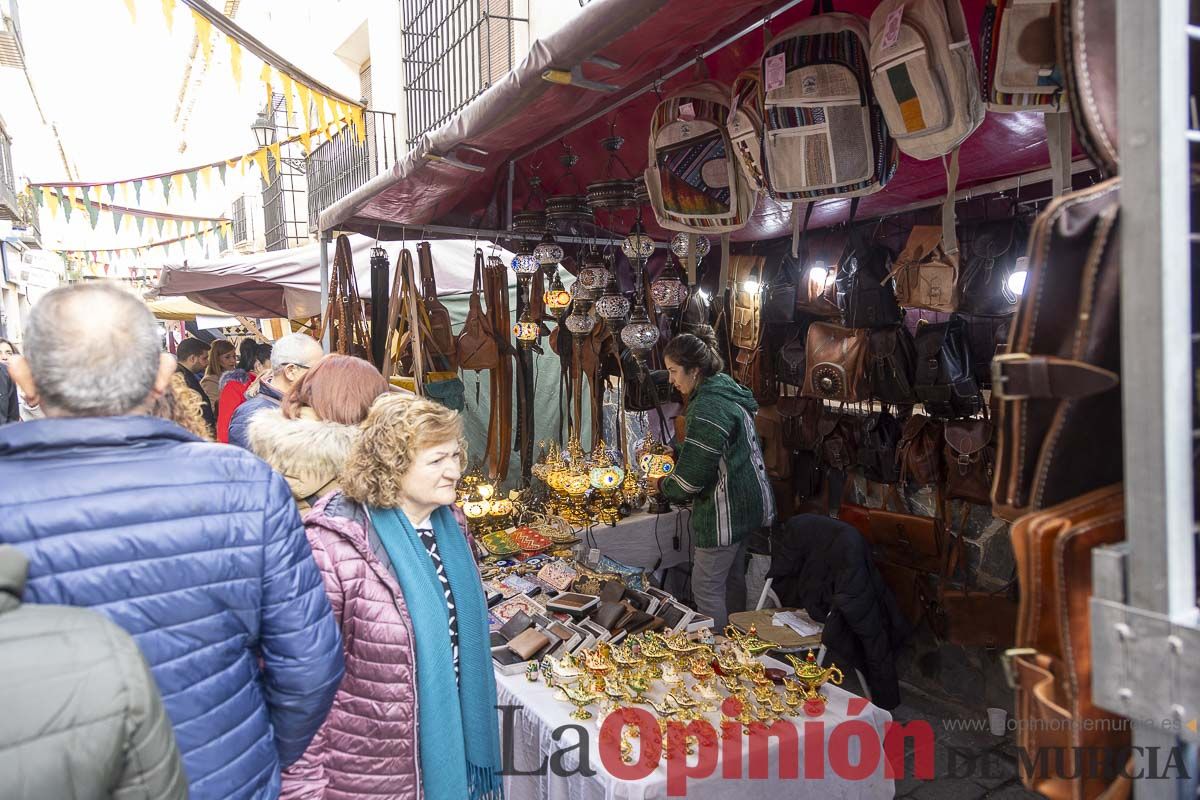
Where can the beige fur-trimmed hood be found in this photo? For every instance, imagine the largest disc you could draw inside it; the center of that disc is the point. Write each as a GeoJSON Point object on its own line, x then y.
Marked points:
{"type": "Point", "coordinates": [308, 451]}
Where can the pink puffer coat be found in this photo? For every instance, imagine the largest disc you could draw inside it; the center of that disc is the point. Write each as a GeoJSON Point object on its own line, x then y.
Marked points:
{"type": "Point", "coordinates": [368, 744]}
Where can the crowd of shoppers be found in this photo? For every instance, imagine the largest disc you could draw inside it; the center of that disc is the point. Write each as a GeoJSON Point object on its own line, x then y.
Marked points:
{"type": "Point", "coordinates": [240, 646]}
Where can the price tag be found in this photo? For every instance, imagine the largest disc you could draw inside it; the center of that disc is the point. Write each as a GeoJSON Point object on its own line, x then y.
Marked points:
{"type": "Point", "coordinates": [687, 111]}
{"type": "Point", "coordinates": [593, 556]}
{"type": "Point", "coordinates": [891, 29]}
{"type": "Point", "coordinates": [776, 72]}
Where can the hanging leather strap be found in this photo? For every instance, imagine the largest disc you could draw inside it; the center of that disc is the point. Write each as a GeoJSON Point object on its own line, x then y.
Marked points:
{"type": "Point", "coordinates": [413, 310]}
{"type": "Point", "coordinates": [949, 232]}
{"type": "Point", "coordinates": [499, 439]}
{"type": "Point", "coordinates": [800, 234]}
{"type": "Point", "coordinates": [1058, 139]}
{"type": "Point", "coordinates": [390, 353]}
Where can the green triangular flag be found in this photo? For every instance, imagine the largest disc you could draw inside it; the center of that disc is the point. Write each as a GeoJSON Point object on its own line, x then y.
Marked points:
{"type": "Point", "coordinates": [39, 196]}
{"type": "Point", "coordinates": [221, 238]}
{"type": "Point", "coordinates": [192, 177]}
{"type": "Point", "coordinates": [221, 170]}
{"type": "Point", "coordinates": [64, 203]}
{"type": "Point", "coordinates": [141, 223]}
{"type": "Point", "coordinates": [166, 187]}
{"type": "Point", "coordinates": [92, 212]}
{"type": "Point", "coordinates": [137, 190]}
{"type": "Point", "coordinates": [112, 192]}
{"type": "Point", "coordinates": [160, 222]}
{"type": "Point", "coordinates": [117, 219]}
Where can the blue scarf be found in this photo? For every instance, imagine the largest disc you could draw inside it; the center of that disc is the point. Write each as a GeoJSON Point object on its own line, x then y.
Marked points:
{"type": "Point", "coordinates": [459, 730]}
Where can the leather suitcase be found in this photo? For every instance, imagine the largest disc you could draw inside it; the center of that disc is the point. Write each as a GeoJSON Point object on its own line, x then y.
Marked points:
{"type": "Point", "coordinates": [1057, 388]}
{"type": "Point", "coordinates": [1051, 665]}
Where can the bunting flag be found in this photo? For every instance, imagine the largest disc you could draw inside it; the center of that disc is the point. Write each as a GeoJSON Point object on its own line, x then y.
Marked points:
{"type": "Point", "coordinates": [168, 7]}
{"type": "Point", "coordinates": [52, 199]}
{"type": "Point", "coordinates": [166, 187]}
{"type": "Point", "coordinates": [112, 192]}
{"type": "Point", "coordinates": [118, 217]}
{"type": "Point", "coordinates": [285, 81]}
{"type": "Point", "coordinates": [203, 34]}
{"type": "Point", "coordinates": [221, 170]}
{"type": "Point", "coordinates": [192, 178]}
{"type": "Point", "coordinates": [177, 183]}
{"type": "Point", "coordinates": [141, 223]}
{"type": "Point", "coordinates": [132, 11]}
{"type": "Point", "coordinates": [66, 204]}
{"type": "Point", "coordinates": [92, 212]}
{"type": "Point", "coordinates": [206, 176]}
{"type": "Point", "coordinates": [235, 62]}
{"type": "Point", "coordinates": [137, 189]}
{"type": "Point", "coordinates": [161, 222]}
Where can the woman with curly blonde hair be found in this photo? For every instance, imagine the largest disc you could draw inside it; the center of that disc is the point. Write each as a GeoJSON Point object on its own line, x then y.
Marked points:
{"type": "Point", "coordinates": [402, 580]}
{"type": "Point", "coordinates": [183, 407]}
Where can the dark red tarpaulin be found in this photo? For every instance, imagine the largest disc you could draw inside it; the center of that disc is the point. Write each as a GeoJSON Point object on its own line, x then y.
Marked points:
{"type": "Point", "coordinates": [525, 117]}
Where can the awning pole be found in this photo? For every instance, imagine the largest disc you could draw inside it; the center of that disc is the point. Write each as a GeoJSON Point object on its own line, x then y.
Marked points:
{"type": "Point", "coordinates": [326, 238]}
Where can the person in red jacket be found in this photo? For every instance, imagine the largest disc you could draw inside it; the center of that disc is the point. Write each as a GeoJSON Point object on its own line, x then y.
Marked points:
{"type": "Point", "coordinates": [254, 360]}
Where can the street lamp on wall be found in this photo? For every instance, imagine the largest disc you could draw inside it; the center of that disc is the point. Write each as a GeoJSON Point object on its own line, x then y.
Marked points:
{"type": "Point", "coordinates": [264, 129]}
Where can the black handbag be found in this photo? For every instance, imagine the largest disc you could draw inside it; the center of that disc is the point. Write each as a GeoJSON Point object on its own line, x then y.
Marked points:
{"type": "Point", "coordinates": [790, 363]}
{"type": "Point", "coordinates": [945, 383]}
{"type": "Point", "coordinates": [866, 293]}
{"type": "Point", "coordinates": [991, 250]}
{"type": "Point", "coordinates": [878, 442]}
{"type": "Point", "coordinates": [646, 389]}
{"type": "Point", "coordinates": [891, 365]}
{"type": "Point", "coordinates": [779, 295]}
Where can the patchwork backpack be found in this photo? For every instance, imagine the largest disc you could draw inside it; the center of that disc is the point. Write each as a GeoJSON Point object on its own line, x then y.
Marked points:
{"type": "Point", "coordinates": [746, 126]}
{"type": "Point", "coordinates": [1018, 48]}
{"type": "Point", "coordinates": [693, 179]}
{"type": "Point", "coordinates": [923, 71]}
{"type": "Point", "coordinates": [824, 135]}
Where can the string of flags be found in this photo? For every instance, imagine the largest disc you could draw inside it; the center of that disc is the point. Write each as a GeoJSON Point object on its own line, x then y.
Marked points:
{"type": "Point", "coordinates": [220, 231]}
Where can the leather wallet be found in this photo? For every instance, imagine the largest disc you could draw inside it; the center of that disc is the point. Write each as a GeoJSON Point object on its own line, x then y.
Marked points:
{"type": "Point", "coordinates": [650, 623]}
{"type": "Point", "coordinates": [515, 626]}
{"type": "Point", "coordinates": [528, 643]}
{"type": "Point", "coordinates": [672, 614]}
{"type": "Point", "coordinates": [636, 599]}
{"type": "Point", "coordinates": [612, 592]}
{"type": "Point", "coordinates": [504, 657]}
{"type": "Point", "coordinates": [636, 621]}
{"type": "Point", "coordinates": [609, 615]}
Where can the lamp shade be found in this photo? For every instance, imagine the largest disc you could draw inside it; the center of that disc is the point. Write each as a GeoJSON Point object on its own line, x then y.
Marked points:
{"type": "Point", "coordinates": [637, 245]}
{"type": "Point", "coordinates": [679, 246]}
{"type": "Point", "coordinates": [580, 324]}
{"type": "Point", "coordinates": [556, 297]}
{"type": "Point", "coordinates": [548, 251]}
{"type": "Point", "coordinates": [594, 273]}
{"type": "Point", "coordinates": [612, 305]}
{"type": "Point", "coordinates": [264, 129]}
{"type": "Point", "coordinates": [524, 263]}
{"type": "Point", "coordinates": [639, 335]}
{"type": "Point", "coordinates": [668, 290]}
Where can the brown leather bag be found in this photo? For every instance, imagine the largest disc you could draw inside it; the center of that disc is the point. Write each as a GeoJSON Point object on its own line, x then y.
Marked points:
{"type": "Point", "coordinates": [476, 343]}
{"type": "Point", "coordinates": [920, 451]}
{"type": "Point", "coordinates": [755, 370]}
{"type": "Point", "coordinates": [909, 540]}
{"type": "Point", "coordinates": [1089, 46]}
{"type": "Point", "coordinates": [1057, 393]}
{"type": "Point", "coordinates": [345, 317]}
{"type": "Point", "coordinates": [747, 306]}
{"type": "Point", "coordinates": [836, 362]}
{"type": "Point", "coordinates": [442, 343]}
{"type": "Point", "coordinates": [926, 275]}
{"type": "Point", "coordinates": [776, 453]}
{"type": "Point", "coordinates": [969, 456]}
{"type": "Point", "coordinates": [801, 416]}
{"type": "Point", "coordinates": [1051, 664]}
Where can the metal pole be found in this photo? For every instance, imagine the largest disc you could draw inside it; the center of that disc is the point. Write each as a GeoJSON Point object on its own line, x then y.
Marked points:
{"type": "Point", "coordinates": [326, 238]}
{"type": "Point", "coordinates": [1155, 330]}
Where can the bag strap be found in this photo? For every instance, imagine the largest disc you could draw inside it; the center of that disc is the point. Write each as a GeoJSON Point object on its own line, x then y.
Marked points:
{"type": "Point", "coordinates": [428, 278]}
{"type": "Point", "coordinates": [949, 232]}
{"type": "Point", "coordinates": [1058, 139]}
{"type": "Point", "coordinates": [477, 277]}
{"type": "Point", "coordinates": [821, 7]}
{"type": "Point", "coordinates": [800, 235]}
{"type": "Point", "coordinates": [414, 324]}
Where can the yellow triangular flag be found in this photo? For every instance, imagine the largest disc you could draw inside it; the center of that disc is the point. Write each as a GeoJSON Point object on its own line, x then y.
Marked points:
{"type": "Point", "coordinates": [319, 102]}
{"type": "Point", "coordinates": [360, 123]}
{"type": "Point", "coordinates": [52, 201]}
{"type": "Point", "coordinates": [306, 141]}
{"type": "Point", "coordinates": [235, 62]}
{"type": "Point", "coordinates": [125, 193]}
{"type": "Point", "coordinates": [274, 150]}
{"type": "Point", "coordinates": [285, 81]}
{"type": "Point", "coordinates": [305, 104]}
{"type": "Point", "coordinates": [132, 10]}
{"type": "Point", "coordinates": [204, 34]}
{"type": "Point", "coordinates": [206, 177]}
{"type": "Point", "coordinates": [70, 194]}
{"type": "Point", "coordinates": [177, 185]}
{"type": "Point", "coordinates": [260, 158]}
{"type": "Point", "coordinates": [265, 77]}
{"type": "Point", "coordinates": [168, 7]}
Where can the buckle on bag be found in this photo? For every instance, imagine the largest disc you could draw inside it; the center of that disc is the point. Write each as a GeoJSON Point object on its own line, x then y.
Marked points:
{"type": "Point", "coordinates": [999, 379]}
{"type": "Point", "coordinates": [1006, 659]}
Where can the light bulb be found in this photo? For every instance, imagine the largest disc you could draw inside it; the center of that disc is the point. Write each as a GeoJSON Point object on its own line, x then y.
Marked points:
{"type": "Point", "coordinates": [751, 286]}
{"type": "Point", "coordinates": [818, 273]}
{"type": "Point", "coordinates": [1016, 281]}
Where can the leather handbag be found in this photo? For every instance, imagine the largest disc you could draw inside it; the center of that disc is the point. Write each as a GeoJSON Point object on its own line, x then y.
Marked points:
{"type": "Point", "coordinates": [755, 370]}
{"type": "Point", "coordinates": [344, 317]}
{"type": "Point", "coordinates": [878, 447]}
{"type": "Point", "coordinates": [969, 456]}
{"type": "Point", "coordinates": [800, 416]}
{"type": "Point", "coordinates": [913, 541]}
{"type": "Point", "coordinates": [865, 292]}
{"type": "Point", "coordinates": [777, 455]}
{"type": "Point", "coordinates": [1089, 47]}
{"type": "Point", "coordinates": [944, 380]}
{"type": "Point", "coordinates": [645, 389]}
{"type": "Point", "coordinates": [926, 275]}
{"type": "Point", "coordinates": [892, 364]}
{"type": "Point", "coordinates": [476, 344]}
{"type": "Point", "coordinates": [838, 435]}
{"type": "Point", "coordinates": [836, 363]}
{"type": "Point", "coordinates": [747, 305]}
{"type": "Point", "coordinates": [1057, 389]}
{"type": "Point", "coordinates": [1051, 664]}
{"type": "Point", "coordinates": [920, 451]}
{"type": "Point", "coordinates": [442, 341]}
{"type": "Point", "coordinates": [986, 337]}
{"type": "Point", "coordinates": [790, 362]}
{"type": "Point", "coordinates": [991, 251]}
{"type": "Point", "coordinates": [779, 295]}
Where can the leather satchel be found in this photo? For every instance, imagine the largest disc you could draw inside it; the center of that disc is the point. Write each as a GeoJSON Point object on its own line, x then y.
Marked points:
{"type": "Point", "coordinates": [920, 451]}
{"type": "Point", "coordinates": [909, 540]}
{"type": "Point", "coordinates": [991, 253]}
{"type": "Point", "coordinates": [790, 363]}
{"type": "Point", "coordinates": [878, 447]}
{"type": "Point", "coordinates": [442, 341]}
{"type": "Point", "coordinates": [836, 363]}
{"type": "Point", "coordinates": [969, 456]}
{"type": "Point", "coordinates": [865, 292]}
{"type": "Point", "coordinates": [838, 440]}
{"type": "Point", "coordinates": [1089, 47]}
{"type": "Point", "coordinates": [926, 275]}
{"type": "Point", "coordinates": [747, 306]}
{"type": "Point", "coordinates": [1057, 390]}
{"type": "Point", "coordinates": [476, 344]}
{"type": "Point", "coordinates": [777, 455]}
{"type": "Point", "coordinates": [986, 337]}
{"type": "Point", "coordinates": [1051, 664]}
{"type": "Point", "coordinates": [892, 366]}
{"type": "Point", "coordinates": [755, 370]}
{"type": "Point", "coordinates": [944, 381]}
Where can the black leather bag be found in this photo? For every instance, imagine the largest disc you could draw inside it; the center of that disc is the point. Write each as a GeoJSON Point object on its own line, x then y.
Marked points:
{"type": "Point", "coordinates": [991, 250]}
{"type": "Point", "coordinates": [879, 440]}
{"type": "Point", "coordinates": [891, 365]}
{"type": "Point", "coordinates": [645, 389]}
{"type": "Point", "coordinates": [988, 337]}
{"type": "Point", "coordinates": [866, 293]}
{"type": "Point", "coordinates": [945, 382]}
{"type": "Point", "coordinates": [779, 295]}
{"type": "Point", "coordinates": [790, 363]}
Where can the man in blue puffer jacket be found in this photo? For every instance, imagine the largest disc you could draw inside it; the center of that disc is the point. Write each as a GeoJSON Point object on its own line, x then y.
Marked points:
{"type": "Point", "coordinates": [194, 548]}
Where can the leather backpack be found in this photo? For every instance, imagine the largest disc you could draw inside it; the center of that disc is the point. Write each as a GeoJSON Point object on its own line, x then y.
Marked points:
{"type": "Point", "coordinates": [779, 294]}
{"type": "Point", "coordinates": [476, 344]}
{"type": "Point", "coordinates": [747, 305]}
{"type": "Point", "coordinates": [969, 458]}
{"type": "Point", "coordinates": [991, 256]}
{"type": "Point", "coordinates": [838, 436]}
{"type": "Point", "coordinates": [755, 370]}
{"type": "Point", "coordinates": [790, 361]}
{"type": "Point", "coordinates": [926, 275]}
{"type": "Point", "coordinates": [878, 447]}
{"type": "Point", "coordinates": [865, 294]}
{"type": "Point", "coordinates": [1089, 47]}
{"type": "Point", "coordinates": [892, 365]}
{"type": "Point", "coordinates": [987, 337]}
{"type": "Point", "coordinates": [442, 341]}
{"type": "Point", "coordinates": [944, 381]}
{"type": "Point", "coordinates": [920, 451]}
{"type": "Point", "coordinates": [836, 360]}
{"type": "Point", "coordinates": [1058, 387]}
{"type": "Point", "coordinates": [800, 416]}
{"type": "Point", "coordinates": [777, 455]}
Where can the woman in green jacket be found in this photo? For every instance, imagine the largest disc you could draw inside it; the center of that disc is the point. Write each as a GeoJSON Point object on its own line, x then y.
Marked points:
{"type": "Point", "coordinates": [719, 469]}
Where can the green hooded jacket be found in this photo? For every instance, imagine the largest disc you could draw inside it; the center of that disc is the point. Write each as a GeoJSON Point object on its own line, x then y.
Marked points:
{"type": "Point", "coordinates": [719, 467]}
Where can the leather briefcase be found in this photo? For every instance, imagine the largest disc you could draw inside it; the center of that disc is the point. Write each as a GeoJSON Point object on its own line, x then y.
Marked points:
{"type": "Point", "coordinates": [1051, 664]}
{"type": "Point", "coordinates": [1056, 390]}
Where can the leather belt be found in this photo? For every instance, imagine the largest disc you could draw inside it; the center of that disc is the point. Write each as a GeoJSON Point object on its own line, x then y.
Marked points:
{"type": "Point", "coordinates": [1016, 376]}
{"type": "Point", "coordinates": [499, 439]}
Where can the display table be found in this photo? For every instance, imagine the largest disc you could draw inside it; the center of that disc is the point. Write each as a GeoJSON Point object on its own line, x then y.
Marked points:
{"type": "Point", "coordinates": [540, 715]}
{"type": "Point", "coordinates": [644, 540]}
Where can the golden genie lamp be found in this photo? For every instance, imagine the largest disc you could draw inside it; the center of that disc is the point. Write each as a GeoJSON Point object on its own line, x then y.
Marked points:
{"type": "Point", "coordinates": [812, 676]}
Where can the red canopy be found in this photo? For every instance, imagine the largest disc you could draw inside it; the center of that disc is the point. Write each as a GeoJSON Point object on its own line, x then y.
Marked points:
{"type": "Point", "coordinates": [530, 120]}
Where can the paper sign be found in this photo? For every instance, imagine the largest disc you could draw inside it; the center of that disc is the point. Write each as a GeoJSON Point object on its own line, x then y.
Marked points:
{"type": "Point", "coordinates": [687, 111]}
{"type": "Point", "coordinates": [891, 30]}
{"type": "Point", "coordinates": [776, 70]}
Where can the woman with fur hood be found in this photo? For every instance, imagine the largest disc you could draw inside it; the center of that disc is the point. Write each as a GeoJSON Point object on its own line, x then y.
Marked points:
{"type": "Point", "coordinates": [308, 438]}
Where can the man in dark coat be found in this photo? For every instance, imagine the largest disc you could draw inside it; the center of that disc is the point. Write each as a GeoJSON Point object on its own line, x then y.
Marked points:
{"type": "Point", "coordinates": [10, 405]}
{"type": "Point", "coordinates": [192, 357]}
{"type": "Point", "coordinates": [195, 548]}
{"type": "Point", "coordinates": [824, 566]}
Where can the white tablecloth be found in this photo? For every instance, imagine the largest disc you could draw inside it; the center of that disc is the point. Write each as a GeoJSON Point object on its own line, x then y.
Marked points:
{"type": "Point", "coordinates": [540, 715]}
{"type": "Point", "coordinates": [645, 540]}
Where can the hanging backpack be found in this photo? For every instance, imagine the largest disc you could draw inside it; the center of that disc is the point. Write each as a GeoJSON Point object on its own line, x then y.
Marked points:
{"type": "Point", "coordinates": [865, 293]}
{"type": "Point", "coordinates": [945, 382]}
{"type": "Point", "coordinates": [891, 366]}
{"type": "Point", "coordinates": [694, 182]}
{"type": "Point", "coordinates": [745, 126]}
{"type": "Point", "coordinates": [1018, 50]}
{"type": "Point", "coordinates": [823, 133]}
{"type": "Point", "coordinates": [878, 443]}
{"type": "Point", "coordinates": [926, 273]}
{"type": "Point", "coordinates": [923, 71]}
{"type": "Point", "coordinates": [836, 360]}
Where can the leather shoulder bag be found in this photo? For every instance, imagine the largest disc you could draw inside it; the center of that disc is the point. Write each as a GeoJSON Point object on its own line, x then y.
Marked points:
{"type": "Point", "coordinates": [442, 341]}
{"type": "Point", "coordinates": [892, 364]}
{"type": "Point", "coordinates": [926, 275]}
{"type": "Point", "coordinates": [476, 343]}
{"type": "Point", "coordinates": [836, 360]}
{"type": "Point", "coordinates": [945, 383]}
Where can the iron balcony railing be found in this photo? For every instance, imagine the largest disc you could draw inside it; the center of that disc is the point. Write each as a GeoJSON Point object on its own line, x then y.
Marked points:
{"type": "Point", "coordinates": [339, 166]}
{"type": "Point", "coordinates": [8, 184]}
{"type": "Point", "coordinates": [452, 51]}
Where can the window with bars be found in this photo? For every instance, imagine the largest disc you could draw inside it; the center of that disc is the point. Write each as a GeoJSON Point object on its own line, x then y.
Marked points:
{"type": "Point", "coordinates": [8, 185]}
{"type": "Point", "coordinates": [452, 51]}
